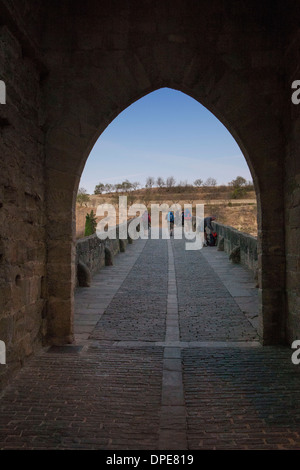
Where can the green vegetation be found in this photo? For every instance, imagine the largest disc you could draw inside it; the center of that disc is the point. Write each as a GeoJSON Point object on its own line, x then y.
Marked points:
{"type": "Point", "coordinates": [240, 187]}
{"type": "Point", "coordinates": [90, 224]}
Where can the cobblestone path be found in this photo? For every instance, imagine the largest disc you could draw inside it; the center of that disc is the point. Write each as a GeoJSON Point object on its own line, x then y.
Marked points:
{"type": "Point", "coordinates": [207, 309]}
{"type": "Point", "coordinates": [166, 357]}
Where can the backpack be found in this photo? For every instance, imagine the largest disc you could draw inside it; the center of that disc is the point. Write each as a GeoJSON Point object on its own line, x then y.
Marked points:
{"type": "Point", "coordinates": [212, 239]}
{"type": "Point", "coordinates": [187, 214]}
{"type": "Point", "coordinates": [170, 217]}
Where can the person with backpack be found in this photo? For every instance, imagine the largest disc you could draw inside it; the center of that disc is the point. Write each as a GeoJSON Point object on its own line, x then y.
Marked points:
{"type": "Point", "coordinates": [208, 227]}
{"type": "Point", "coordinates": [170, 219]}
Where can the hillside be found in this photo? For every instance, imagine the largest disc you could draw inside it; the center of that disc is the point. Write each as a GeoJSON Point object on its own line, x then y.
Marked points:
{"type": "Point", "coordinates": [238, 213]}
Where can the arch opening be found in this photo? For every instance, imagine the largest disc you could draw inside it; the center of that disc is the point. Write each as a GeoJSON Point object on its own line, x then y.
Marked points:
{"type": "Point", "coordinates": [270, 331]}
{"type": "Point", "coordinates": [136, 138]}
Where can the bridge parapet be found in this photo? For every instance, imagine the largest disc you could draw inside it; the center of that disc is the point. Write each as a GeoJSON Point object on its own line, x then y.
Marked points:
{"type": "Point", "coordinates": [92, 254]}
{"type": "Point", "coordinates": [241, 247]}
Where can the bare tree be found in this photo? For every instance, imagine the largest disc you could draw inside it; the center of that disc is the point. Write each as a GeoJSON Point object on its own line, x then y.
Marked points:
{"type": "Point", "coordinates": [210, 182]}
{"type": "Point", "coordinates": [136, 185]}
{"type": "Point", "coordinates": [126, 186]}
{"type": "Point", "coordinates": [198, 182]}
{"type": "Point", "coordinates": [160, 182]}
{"type": "Point", "coordinates": [108, 188]}
{"type": "Point", "coordinates": [82, 197]}
{"type": "Point", "coordinates": [150, 181]}
{"type": "Point", "coordinates": [170, 182]}
{"type": "Point", "coordinates": [118, 187]}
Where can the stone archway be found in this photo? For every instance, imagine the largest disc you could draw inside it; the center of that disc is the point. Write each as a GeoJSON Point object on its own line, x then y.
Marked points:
{"type": "Point", "coordinates": [91, 82]}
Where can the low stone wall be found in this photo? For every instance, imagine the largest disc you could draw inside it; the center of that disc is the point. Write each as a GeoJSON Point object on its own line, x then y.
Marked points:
{"type": "Point", "coordinates": [241, 247]}
{"type": "Point", "coordinates": [92, 254]}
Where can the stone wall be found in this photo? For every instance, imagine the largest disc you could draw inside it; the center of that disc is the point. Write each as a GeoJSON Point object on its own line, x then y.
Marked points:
{"type": "Point", "coordinates": [291, 123]}
{"type": "Point", "coordinates": [22, 189]}
{"type": "Point", "coordinates": [229, 239]}
{"type": "Point", "coordinates": [95, 253]}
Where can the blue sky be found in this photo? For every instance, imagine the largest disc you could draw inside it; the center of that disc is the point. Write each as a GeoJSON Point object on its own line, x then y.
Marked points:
{"type": "Point", "coordinates": [166, 133]}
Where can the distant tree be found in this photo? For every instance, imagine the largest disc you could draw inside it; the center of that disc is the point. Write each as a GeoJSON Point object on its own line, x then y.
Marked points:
{"type": "Point", "coordinates": [210, 182]}
{"type": "Point", "coordinates": [150, 181]}
{"type": "Point", "coordinates": [239, 187]}
{"type": "Point", "coordinates": [118, 187]}
{"type": "Point", "coordinates": [82, 197]}
{"type": "Point", "coordinates": [160, 182]}
{"type": "Point", "coordinates": [198, 183]}
{"type": "Point", "coordinates": [108, 188]}
{"type": "Point", "coordinates": [238, 182]}
{"type": "Point", "coordinates": [136, 185]}
{"type": "Point", "coordinates": [126, 186]}
{"type": "Point", "coordinates": [170, 183]}
{"type": "Point", "coordinates": [99, 188]}
{"type": "Point", "coordinates": [90, 224]}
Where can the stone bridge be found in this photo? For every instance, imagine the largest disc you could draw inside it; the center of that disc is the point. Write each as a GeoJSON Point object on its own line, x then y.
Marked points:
{"type": "Point", "coordinates": [167, 356]}
{"type": "Point", "coordinates": [67, 69]}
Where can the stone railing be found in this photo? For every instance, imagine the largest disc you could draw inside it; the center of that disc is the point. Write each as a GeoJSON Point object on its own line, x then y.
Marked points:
{"type": "Point", "coordinates": [241, 247]}
{"type": "Point", "coordinates": [92, 254]}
